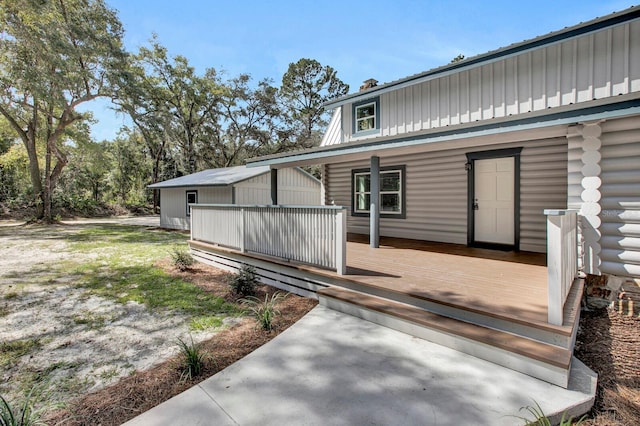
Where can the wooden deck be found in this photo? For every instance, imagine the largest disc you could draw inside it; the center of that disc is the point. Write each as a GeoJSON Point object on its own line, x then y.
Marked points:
{"type": "Point", "coordinates": [502, 284]}
{"type": "Point", "coordinates": [509, 284]}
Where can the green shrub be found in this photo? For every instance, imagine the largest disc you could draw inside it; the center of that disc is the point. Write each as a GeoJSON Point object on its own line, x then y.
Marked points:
{"type": "Point", "coordinates": [192, 359]}
{"type": "Point", "coordinates": [265, 311]}
{"type": "Point", "coordinates": [244, 282]}
{"type": "Point", "coordinates": [182, 259]}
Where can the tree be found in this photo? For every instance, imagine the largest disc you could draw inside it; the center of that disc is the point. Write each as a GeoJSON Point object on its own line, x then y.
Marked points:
{"type": "Point", "coordinates": [306, 86]}
{"type": "Point", "coordinates": [173, 88]}
{"type": "Point", "coordinates": [142, 98]}
{"type": "Point", "coordinates": [54, 56]}
{"type": "Point", "coordinates": [244, 123]}
{"type": "Point", "coordinates": [129, 171]}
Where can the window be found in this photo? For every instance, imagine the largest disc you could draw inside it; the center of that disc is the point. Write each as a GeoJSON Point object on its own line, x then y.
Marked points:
{"type": "Point", "coordinates": [391, 192]}
{"type": "Point", "coordinates": [366, 117]}
{"type": "Point", "coordinates": [192, 198]}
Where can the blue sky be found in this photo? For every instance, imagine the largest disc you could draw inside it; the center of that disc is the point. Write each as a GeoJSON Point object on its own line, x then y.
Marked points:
{"type": "Point", "coordinates": [385, 40]}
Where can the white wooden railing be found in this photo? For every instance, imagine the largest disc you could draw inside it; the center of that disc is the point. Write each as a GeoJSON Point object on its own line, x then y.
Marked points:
{"type": "Point", "coordinates": [562, 259]}
{"type": "Point", "coordinates": [312, 235]}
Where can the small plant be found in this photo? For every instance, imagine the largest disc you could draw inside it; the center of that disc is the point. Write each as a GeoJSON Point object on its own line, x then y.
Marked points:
{"type": "Point", "coordinates": [182, 259]}
{"type": "Point", "coordinates": [541, 419]}
{"type": "Point", "coordinates": [244, 282]}
{"type": "Point", "coordinates": [192, 359]}
{"type": "Point", "coordinates": [26, 415]}
{"type": "Point", "coordinates": [265, 311]}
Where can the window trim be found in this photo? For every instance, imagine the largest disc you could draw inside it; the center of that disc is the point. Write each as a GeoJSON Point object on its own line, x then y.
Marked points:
{"type": "Point", "coordinates": [402, 214]}
{"type": "Point", "coordinates": [190, 191]}
{"type": "Point", "coordinates": [376, 116]}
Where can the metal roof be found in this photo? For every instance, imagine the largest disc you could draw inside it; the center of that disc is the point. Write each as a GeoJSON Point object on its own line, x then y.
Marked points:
{"type": "Point", "coordinates": [494, 55]}
{"type": "Point", "coordinates": [213, 177]}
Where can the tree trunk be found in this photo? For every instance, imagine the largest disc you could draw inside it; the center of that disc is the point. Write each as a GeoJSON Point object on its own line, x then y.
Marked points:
{"type": "Point", "coordinates": [34, 166]}
{"type": "Point", "coordinates": [46, 195]}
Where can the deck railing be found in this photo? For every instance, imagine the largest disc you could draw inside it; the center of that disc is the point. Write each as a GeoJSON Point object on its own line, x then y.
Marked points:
{"type": "Point", "coordinates": [562, 259]}
{"type": "Point", "coordinates": [313, 235]}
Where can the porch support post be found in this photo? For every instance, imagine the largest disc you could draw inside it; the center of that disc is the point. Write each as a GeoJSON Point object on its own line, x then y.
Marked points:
{"type": "Point", "coordinates": [274, 187]}
{"type": "Point", "coordinates": [374, 207]}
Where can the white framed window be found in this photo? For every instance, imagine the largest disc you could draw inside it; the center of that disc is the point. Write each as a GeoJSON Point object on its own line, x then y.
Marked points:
{"type": "Point", "coordinates": [392, 197]}
{"type": "Point", "coordinates": [366, 117]}
{"type": "Point", "coordinates": [192, 198]}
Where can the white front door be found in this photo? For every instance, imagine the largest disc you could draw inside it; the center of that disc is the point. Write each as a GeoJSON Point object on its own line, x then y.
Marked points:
{"type": "Point", "coordinates": [494, 206]}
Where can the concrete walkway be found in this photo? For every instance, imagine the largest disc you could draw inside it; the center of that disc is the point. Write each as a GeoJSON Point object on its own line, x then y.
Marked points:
{"type": "Point", "coordinates": [334, 369]}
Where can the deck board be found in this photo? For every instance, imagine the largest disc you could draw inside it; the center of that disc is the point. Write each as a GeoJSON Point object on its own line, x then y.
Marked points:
{"type": "Point", "coordinates": [507, 283]}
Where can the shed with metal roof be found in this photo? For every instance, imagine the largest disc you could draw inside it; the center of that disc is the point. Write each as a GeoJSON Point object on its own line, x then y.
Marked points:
{"type": "Point", "coordinates": [233, 185]}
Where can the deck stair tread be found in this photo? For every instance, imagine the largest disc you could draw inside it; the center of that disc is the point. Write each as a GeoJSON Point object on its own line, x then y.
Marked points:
{"type": "Point", "coordinates": [543, 352]}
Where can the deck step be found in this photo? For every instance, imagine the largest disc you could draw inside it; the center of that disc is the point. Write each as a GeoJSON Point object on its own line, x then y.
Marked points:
{"type": "Point", "coordinates": [538, 359]}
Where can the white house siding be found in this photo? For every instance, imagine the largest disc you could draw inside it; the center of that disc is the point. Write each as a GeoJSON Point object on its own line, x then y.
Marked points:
{"type": "Point", "coordinates": [173, 211]}
{"type": "Point", "coordinates": [294, 188]}
{"type": "Point", "coordinates": [333, 134]}
{"type": "Point", "coordinates": [620, 215]}
{"type": "Point", "coordinates": [436, 192]}
{"type": "Point", "coordinates": [598, 65]}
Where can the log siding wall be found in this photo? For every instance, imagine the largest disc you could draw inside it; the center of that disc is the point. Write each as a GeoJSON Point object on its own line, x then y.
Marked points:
{"type": "Point", "coordinates": [436, 192]}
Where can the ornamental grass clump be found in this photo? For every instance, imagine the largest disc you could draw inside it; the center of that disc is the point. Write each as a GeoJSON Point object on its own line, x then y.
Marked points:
{"type": "Point", "coordinates": [24, 415]}
{"type": "Point", "coordinates": [264, 311]}
{"type": "Point", "coordinates": [244, 282]}
{"type": "Point", "coordinates": [193, 359]}
{"type": "Point", "coordinates": [541, 419]}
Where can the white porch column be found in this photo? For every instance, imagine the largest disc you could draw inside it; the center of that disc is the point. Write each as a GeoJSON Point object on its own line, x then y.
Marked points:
{"type": "Point", "coordinates": [374, 207]}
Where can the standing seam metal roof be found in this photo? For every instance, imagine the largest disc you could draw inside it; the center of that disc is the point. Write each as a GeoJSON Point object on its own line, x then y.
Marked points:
{"type": "Point", "coordinates": [213, 177]}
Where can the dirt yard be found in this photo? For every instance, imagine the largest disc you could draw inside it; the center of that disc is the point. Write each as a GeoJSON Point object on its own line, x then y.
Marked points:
{"type": "Point", "coordinates": [90, 314]}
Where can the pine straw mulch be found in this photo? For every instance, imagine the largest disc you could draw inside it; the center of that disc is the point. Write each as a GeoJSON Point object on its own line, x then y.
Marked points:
{"type": "Point", "coordinates": [144, 390]}
{"type": "Point", "coordinates": [609, 343]}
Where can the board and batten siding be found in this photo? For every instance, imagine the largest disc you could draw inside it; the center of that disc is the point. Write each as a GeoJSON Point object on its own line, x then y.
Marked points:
{"type": "Point", "coordinates": [436, 192]}
{"type": "Point", "coordinates": [173, 202]}
{"type": "Point", "coordinates": [601, 64]}
{"type": "Point", "coordinates": [294, 188]}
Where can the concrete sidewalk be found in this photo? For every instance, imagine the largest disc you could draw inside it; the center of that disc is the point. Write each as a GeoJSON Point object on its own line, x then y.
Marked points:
{"type": "Point", "coordinates": [334, 369]}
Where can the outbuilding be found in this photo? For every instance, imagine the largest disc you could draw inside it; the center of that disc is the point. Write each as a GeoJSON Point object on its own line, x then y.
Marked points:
{"type": "Point", "coordinates": [234, 185]}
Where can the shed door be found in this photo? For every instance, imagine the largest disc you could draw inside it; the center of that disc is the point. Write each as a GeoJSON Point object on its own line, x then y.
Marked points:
{"type": "Point", "coordinates": [494, 206]}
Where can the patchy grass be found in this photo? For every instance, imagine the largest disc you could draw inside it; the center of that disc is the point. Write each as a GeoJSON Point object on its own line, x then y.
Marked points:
{"type": "Point", "coordinates": [91, 320]}
{"type": "Point", "coordinates": [205, 322]}
{"type": "Point", "coordinates": [11, 295]}
{"type": "Point", "coordinates": [89, 304]}
{"type": "Point", "coordinates": [123, 269]}
{"type": "Point", "coordinates": [10, 352]}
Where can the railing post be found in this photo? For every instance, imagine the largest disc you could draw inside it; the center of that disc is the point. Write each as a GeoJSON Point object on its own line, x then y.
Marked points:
{"type": "Point", "coordinates": [243, 229]}
{"type": "Point", "coordinates": [190, 225]}
{"type": "Point", "coordinates": [554, 269]}
{"type": "Point", "coordinates": [562, 253]}
{"type": "Point", "coordinates": [341, 242]}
